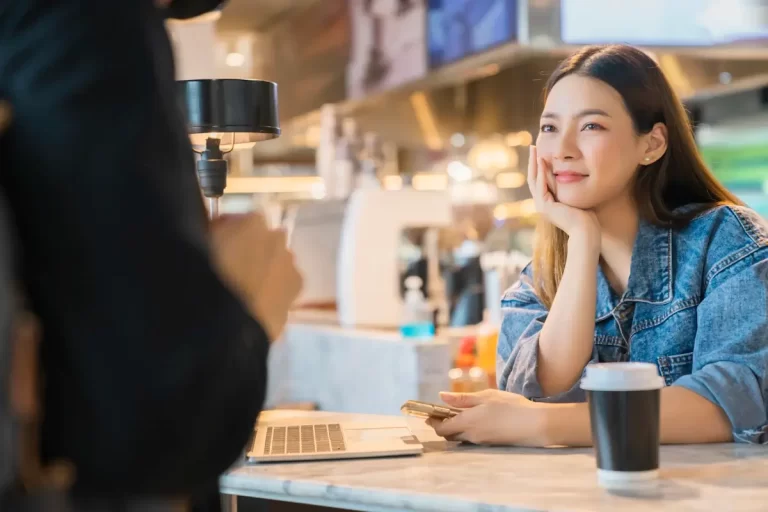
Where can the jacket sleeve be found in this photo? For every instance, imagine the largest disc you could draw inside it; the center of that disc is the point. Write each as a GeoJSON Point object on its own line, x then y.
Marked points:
{"type": "Point", "coordinates": [730, 354]}
{"type": "Point", "coordinates": [518, 345]}
{"type": "Point", "coordinates": [154, 371]}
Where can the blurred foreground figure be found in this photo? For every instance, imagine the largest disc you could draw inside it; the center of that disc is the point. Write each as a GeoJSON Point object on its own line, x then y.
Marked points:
{"type": "Point", "coordinates": [153, 326]}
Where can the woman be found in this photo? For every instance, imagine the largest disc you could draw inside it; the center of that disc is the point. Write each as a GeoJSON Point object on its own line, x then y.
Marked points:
{"type": "Point", "coordinates": [641, 256]}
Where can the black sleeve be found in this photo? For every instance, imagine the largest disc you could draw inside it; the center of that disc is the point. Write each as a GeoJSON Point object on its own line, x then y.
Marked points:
{"type": "Point", "coordinates": [154, 371]}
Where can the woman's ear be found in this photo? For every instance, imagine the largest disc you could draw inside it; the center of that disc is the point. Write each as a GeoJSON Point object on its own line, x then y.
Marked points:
{"type": "Point", "coordinates": [656, 144]}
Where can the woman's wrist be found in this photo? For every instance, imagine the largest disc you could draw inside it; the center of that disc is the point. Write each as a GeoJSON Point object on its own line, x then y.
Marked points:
{"type": "Point", "coordinates": [584, 241]}
{"type": "Point", "coordinates": [566, 425]}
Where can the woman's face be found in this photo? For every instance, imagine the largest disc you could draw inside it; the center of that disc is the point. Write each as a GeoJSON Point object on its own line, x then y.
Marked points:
{"type": "Point", "coordinates": [587, 138]}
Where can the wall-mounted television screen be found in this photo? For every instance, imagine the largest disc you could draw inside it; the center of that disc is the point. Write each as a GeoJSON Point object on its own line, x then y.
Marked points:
{"type": "Point", "coordinates": [460, 28]}
{"type": "Point", "coordinates": [681, 23]}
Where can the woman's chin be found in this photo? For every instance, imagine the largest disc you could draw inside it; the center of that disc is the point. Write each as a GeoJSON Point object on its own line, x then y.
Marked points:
{"type": "Point", "coordinates": [575, 202]}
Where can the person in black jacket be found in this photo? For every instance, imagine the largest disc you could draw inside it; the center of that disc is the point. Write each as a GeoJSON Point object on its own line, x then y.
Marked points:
{"type": "Point", "coordinates": [156, 324]}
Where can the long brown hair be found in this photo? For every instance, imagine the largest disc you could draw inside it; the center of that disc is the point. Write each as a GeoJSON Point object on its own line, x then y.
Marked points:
{"type": "Point", "coordinates": [679, 178]}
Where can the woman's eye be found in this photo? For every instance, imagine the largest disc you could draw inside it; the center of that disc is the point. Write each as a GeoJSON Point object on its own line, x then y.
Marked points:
{"type": "Point", "coordinates": [592, 126]}
{"type": "Point", "coordinates": [547, 128]}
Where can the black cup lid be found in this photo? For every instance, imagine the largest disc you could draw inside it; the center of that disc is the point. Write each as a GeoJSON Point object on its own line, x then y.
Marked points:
{"type": "Point", "coordinates": [216, 106]}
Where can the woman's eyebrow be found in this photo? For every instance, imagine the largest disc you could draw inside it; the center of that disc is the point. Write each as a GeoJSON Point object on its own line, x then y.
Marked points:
{"type": "Point", "coordinates": [583, 113]}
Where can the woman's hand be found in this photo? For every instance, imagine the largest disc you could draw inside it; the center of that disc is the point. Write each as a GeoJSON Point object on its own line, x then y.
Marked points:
{"type": "Point", "coordinates": [493, 417]}
{"type": "Point", "coordinates": [572, 220]}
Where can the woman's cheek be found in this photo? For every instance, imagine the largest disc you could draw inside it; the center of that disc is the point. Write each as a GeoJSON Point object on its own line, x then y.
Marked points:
{"type": "Point", "coordinates": [603, 159]}
{"type": "Point", "coordinates": [544, 146]}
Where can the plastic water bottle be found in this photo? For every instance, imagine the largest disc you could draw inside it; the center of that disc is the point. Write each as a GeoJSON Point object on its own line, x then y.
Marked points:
{"type": "Point", "coordinates": [417, 319]}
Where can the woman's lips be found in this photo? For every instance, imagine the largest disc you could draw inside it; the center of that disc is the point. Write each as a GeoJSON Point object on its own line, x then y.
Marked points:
{"type": "Point", "coordinates": [569, 177]}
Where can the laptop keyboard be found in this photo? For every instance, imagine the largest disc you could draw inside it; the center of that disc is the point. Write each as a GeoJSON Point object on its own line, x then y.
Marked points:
{"type": "Point", "coordinates": [299, 439]}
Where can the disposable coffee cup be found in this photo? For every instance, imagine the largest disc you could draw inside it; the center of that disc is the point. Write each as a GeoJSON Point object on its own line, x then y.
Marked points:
{"type": "Point", "coordinates": [624, 407]}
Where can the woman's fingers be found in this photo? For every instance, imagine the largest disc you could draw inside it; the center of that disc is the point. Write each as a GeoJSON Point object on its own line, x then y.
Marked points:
{"type": "Point", "coordinates": [462, 400]}
{"type": "Point", "coordinates": [532, 163]}
{"type": "Point", "coordinates": [435, 423]}
{"type": "Point", "coordinates": [541, 184]}
{"type": "Point", "coordinates": [450, 427]}
{"type": "Point", "coordinates": [539, 180]}
{"type": "Point", "coordinates": [546, 169]}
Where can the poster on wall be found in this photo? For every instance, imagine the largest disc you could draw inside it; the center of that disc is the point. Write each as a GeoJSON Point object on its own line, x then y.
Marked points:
{"type": "Point", "coordinates": [460, 28]}
{"type": "Point", "coordinates": [680, 23]}
{"type": "Point", "coordinates": [388, 45]}
{"type": "Point", "coordinates": [307, 55]}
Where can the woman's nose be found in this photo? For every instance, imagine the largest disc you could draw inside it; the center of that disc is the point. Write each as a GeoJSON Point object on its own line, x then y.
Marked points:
{"type": "Point", "coordinates": [565, 147]}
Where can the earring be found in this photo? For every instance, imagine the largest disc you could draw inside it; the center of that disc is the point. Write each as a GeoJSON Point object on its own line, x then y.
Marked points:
{"type": "Point", "coordinates": [647, 159]}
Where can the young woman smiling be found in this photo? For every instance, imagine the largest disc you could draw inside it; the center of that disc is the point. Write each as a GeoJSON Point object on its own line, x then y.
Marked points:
{"type": "Point", "coordinates": [641, 256]}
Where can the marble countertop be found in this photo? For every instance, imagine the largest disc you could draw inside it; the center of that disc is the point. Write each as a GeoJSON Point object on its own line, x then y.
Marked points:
{"type": "Point", "coordinates": [459, 478]}
{"type": "Point", "coordinates": [327, 320]}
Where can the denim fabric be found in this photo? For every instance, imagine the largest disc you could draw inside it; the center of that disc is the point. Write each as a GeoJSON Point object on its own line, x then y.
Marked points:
{"type": "Point", "coordinates": [696, 305]}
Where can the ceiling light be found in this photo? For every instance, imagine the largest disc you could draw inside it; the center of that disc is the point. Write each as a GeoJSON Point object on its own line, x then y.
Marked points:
{"type": "Point", "coordinates": [458, 140]}
{"type": "Point", "coordinates": [235, 60]}
{"type": "Point", "coordinates": [458, 171]}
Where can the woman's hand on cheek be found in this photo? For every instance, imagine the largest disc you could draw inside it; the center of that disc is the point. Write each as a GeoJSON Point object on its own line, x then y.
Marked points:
{"type": "Point", "coordinates": [493, 417]}
{"type": "Point", "coordinates": [572, 220]}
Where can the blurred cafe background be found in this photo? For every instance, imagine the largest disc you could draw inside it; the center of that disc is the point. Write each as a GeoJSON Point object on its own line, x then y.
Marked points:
{"type": "Point", "coordinates": [400, 175]}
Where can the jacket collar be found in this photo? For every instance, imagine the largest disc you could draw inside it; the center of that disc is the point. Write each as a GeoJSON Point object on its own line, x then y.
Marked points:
{"type": "Point", "coordinates": [650, 274]}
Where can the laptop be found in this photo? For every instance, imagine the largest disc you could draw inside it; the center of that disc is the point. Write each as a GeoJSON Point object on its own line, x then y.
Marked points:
{"type": "Point", "coordinates": [323, 436]}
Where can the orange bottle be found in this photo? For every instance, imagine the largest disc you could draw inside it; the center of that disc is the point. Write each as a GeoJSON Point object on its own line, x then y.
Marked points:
{"type": "Point", "coordinates": [465, 359]}
{"type": "Point", "coordinates": [487, 339]}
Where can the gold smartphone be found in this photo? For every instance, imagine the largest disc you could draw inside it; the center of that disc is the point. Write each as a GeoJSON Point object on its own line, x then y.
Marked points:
{"type": "Point", "coordinates": [426, 410]}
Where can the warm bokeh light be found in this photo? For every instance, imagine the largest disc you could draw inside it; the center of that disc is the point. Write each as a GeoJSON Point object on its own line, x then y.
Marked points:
{"type": "Point", "coordinates": [459, 171]}
{"type": "Point", "coordinates": [513, 179]}
{"type": "Point", "coordinates": [393, 182]}
{"type": "Point", "coordinates": [524, 208]}
{"type": "Point", "coordinates": [522, 138]}
{"type": "Point", "coordinates": [235, 60]}
{"type": "Point", "coordinates": [317, 190]}
{"type": "Point", "coordinates": [430, 181]}
{"type": "Point", "coordinates": [274, 184]}
{"type": "Point", "coordinates": [491, 156]}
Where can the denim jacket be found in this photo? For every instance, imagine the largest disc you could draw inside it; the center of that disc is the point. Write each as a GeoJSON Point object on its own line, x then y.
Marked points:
{"type": "Point", "coordinates": [696, 305]}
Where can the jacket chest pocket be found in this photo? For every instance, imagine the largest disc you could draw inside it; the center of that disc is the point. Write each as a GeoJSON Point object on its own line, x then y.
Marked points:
{"type": "Point", "coordinates": [610, 349]}
{"type": "Point", "coordinates": [674, 367]}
